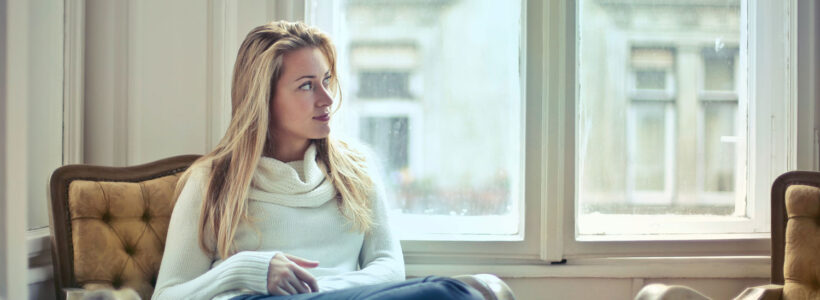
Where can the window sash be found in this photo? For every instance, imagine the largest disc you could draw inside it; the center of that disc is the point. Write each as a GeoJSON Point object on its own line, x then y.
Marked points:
{"type": "Point", "coordinates": [550, 87]}
{"type": "Point", "coordinates": [517, 247]}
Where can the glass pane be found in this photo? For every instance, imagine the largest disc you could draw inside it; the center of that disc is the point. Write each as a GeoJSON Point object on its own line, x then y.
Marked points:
{"type": "Point", "coordinates": [650, 80]}
{"type": "Point", "coordinates": [661, 155]}
{"type": "Point", "coordinates": [648, 138]}
{"type": "Point", "coordinates": [388, 135]}
{"type": "Point", "coordinates": [719, 156]}
{"type": "Point", "coordinates": [719, 69]}
{"type": "Point", "coordinates": [435, 90]}
{"type": "Point", "coordinates": [384, 84]}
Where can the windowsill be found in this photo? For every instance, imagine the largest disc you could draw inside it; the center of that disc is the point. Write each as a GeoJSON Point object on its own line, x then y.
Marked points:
{"type": "Point", "coordinates": [629, 267]}
{"type": "Point", "coordinates": [38, 243]}
{"type": "Point", "coordinates": [673, 237]}
{"type": "Point", "coordinates": [621, 267]}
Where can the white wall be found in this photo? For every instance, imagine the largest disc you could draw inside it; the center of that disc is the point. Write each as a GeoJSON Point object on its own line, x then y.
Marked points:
{"type": "Point", "coordinates": [146, 80]}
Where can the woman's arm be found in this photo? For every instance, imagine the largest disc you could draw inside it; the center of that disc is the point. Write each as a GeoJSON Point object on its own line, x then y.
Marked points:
{"type": "Point", "coordinates": [186, 273]}
{"type": "Point", "coordinates": [380, 259]}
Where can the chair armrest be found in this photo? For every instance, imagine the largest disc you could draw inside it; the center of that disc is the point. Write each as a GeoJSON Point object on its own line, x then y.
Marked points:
{"type": "Point", "coordinates": [490, 286]}
{"type": "Point", "coordinates": [74, 293]}
{"type": "Point", "coordinates": [658, 291]}
{"type": "Point", "coordinates": [763, 292]}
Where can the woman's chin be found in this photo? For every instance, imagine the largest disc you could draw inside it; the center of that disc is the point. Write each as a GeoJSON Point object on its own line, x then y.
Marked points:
{"type": "Point", "coordinates": [321, 134]}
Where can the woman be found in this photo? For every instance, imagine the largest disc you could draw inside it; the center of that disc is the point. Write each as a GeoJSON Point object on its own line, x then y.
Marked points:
{"type": "Point", "coordinates": [278, 208]}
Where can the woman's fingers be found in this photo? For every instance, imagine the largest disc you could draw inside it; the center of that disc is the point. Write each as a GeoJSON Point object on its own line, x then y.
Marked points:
{"type": "Point", "coordinates": [287, 287]}
{"type": "Point", "coordinates": [300, 287]}
{"type": "Point", "coordinates": [302, 262]}
{"type": "Point", "coordinates": [281, 291]}
{"type": "Point", "coordinates": [307, 278]}
{"type": "Point", "coordinates": [287, 277]}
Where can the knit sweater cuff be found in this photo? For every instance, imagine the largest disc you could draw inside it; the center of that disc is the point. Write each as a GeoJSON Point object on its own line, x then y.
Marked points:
{"type": "Point", "coordinates": [247, 269]}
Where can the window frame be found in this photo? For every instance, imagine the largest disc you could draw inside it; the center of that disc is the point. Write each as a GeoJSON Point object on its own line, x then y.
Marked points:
{"type": "Point", "coordinates": [528, 248]}
{"type": "Point", "coordinates": [767, 133]}
{"type": "Point", "coordinates": [549, 75]}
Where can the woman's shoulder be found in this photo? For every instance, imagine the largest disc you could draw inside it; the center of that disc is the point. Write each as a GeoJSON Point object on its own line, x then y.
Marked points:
{"type": "Point", "coordinates": [198, 173]}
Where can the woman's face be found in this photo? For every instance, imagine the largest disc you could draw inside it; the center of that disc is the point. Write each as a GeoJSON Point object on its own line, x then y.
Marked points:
{"type": "Point", "coordinates": [301, 104]}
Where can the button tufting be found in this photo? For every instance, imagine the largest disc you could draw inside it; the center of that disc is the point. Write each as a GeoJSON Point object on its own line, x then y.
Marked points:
{"type": "Point", "coordinates": [129, 250]}
{"type": "Point", "coordinates": [106, 217]}
{"type": "Point", "coordinates": [116, 282]}
{"type": "Point", "coordinates": [146, 217]}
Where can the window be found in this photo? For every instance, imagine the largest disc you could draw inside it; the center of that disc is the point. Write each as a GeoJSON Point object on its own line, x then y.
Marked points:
{"type": "Point", "coordinates": [636, 128]}
{"type": "Point", "coordinates": [435, 91]}
{"type": "Point", "coordinates": [678, 118]}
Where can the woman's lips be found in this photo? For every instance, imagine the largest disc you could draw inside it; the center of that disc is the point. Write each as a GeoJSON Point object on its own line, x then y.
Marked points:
{"type": "Point", "coordinates": [323, 117]}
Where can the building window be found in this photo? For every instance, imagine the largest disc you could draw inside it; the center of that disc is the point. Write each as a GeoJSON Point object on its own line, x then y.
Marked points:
{"type": "Point", "coordinates": [669, 155]}
{"type": "Point", "coordinates": [435, 91]}
{"type": "Point", "coordinates": [384, 84]}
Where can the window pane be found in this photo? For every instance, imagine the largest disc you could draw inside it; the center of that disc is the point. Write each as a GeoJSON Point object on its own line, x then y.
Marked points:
{"type": "Point", "coordinates": [650, 80]}
{"type": "Point", "coordinates": [657, 131]}
{"type": "Point", "coordinates": [388, 135]}
{"type": "Point", "coordinates": [719, 156]}
{"type": "Point", "coordinates": [384, 84]}
{"type": "Point", "coordinates": [648, 139]}
{"type": "Point", "coordinates": [435, 90]}
{"type": "Point", "coordinates": [719, 69]}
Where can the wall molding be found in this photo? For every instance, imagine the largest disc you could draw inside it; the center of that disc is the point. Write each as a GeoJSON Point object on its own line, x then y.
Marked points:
{"type": "Point", "coordinates": [73, 81]}
{"type": "Point", "coordinates": [15, 16]}
{"type": "Point", "coordinates": [222, 32]}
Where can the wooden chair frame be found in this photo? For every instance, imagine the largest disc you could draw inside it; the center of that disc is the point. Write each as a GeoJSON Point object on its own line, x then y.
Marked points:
{"type": "Point", "coordinates": [62, 249]}
{"type": "Point", "coordinates": [779, 217]}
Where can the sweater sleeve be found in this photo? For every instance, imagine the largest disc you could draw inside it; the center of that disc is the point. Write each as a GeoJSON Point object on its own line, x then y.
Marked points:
{"type": "Point", "coordinates": [186, 271]}
{"type": "Point", "coordinates": [380, 258]}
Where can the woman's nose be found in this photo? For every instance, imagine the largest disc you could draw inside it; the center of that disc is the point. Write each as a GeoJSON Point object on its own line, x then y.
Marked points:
{"type": "Point", "coordinates": [325, 98]}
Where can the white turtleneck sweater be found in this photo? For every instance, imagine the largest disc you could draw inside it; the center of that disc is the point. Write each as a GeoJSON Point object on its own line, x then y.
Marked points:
{"type": "Point", "coordinates": [292, 207]}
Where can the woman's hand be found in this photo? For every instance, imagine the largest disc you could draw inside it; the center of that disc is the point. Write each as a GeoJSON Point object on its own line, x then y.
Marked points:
{"type": "Point", "coordinates": [286, 275]}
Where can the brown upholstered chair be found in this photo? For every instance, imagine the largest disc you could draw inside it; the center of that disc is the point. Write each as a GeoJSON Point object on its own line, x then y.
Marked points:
{"type": "Point", "coordinates": [108, 229]}
{"type": "Point", "coordinates": [795, 214]}
{"type": "Point", "coordinates": [108, 225]}
{"type": "Point", "coordinates": [795, 239]}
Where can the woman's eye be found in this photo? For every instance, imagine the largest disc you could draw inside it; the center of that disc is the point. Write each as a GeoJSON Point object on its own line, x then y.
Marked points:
{"type": "Point", "coordinates": [306, 87]}
{"type": "Point", "coordinates": [326, 81]}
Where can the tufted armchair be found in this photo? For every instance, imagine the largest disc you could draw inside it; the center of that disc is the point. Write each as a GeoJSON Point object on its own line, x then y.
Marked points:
{"type": "Point", "coordinates": [795, 242]}
{"type": "Point", "coordinates": [795, 239]}
{"type": "Point", "coordinates": [108, 229]}
{"type": "Point", "coordinates": [108, 225]}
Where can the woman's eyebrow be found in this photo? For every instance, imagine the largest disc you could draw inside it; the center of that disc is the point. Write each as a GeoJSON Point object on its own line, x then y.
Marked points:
{"type": "Point", "coordinates": [312, 76]}
{"type": "Point", "coordinates": [306, 76]}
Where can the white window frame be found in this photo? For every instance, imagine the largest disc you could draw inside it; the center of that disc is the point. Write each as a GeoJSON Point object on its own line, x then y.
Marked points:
{"type": "Point", "coordinates": [774, 154]}
{"type": "Point", "coordinates": [549, 67]}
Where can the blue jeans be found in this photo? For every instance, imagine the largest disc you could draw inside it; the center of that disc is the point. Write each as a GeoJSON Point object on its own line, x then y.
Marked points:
{"type": "Point", "coordinates": [430, 287]}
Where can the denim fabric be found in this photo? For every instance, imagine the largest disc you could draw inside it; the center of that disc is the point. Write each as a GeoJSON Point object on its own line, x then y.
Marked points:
{"type": "Point", "coordinates": [430, 287]}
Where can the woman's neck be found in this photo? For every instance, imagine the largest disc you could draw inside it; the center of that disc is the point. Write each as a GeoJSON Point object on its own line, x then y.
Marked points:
{"type": "Point", "coordinates": [286, 151]}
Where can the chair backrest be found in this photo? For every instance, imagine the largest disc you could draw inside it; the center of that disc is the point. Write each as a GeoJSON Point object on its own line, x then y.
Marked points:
{"type": "Point", "coordinates": [795, 227]}
{"type": "Point", "coordinates": [108, 224]}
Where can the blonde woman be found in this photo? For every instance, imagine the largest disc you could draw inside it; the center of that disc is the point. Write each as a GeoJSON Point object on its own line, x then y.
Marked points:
{"type": "Point", "coordinates": [279, 209]}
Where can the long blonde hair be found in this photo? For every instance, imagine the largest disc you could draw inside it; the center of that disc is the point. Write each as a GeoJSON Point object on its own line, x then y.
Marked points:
{"type": "Point", "coordinates": [233, 161]}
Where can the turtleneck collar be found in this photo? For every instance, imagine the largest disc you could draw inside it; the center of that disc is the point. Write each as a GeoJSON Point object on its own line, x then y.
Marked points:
{"type": "Point", "coordinates": [300, 183]}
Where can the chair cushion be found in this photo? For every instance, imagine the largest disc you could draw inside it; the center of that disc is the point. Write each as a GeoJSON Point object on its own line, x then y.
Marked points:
{"type": "Point", "coordinates": [118, 231]}
{"type": "Point", "coordinates": [801, 269]}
